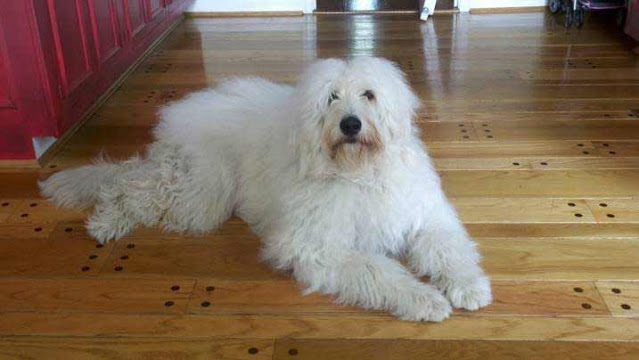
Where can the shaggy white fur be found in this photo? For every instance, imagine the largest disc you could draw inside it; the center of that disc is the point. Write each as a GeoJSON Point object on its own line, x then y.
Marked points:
{"type": "Point", "coordinates": [336, 202]}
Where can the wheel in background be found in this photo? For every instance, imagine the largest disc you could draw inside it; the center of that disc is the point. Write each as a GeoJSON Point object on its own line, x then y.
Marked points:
{"type": "Point", "coordinates": [554, 6]}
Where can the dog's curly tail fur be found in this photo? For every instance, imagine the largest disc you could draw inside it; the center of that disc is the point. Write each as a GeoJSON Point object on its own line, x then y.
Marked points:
{"type": "Point", "coordinates": [78, 187]}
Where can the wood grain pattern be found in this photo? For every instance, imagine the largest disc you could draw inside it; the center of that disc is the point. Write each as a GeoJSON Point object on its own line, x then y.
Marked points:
{"type": "Point", "coordinates": [8, 207]}
{"type": "Point", "coordinates": [96, 295]}
{"type": "Point", "coordinates": [592, 183]}
{"type": "Point", "coordinates": [37, 348]}
{"type": "Point", "coordinates": [552, 230]}
{"type": "Point", "coordinates": [523, 210]}
{"type": "Point", "coordinates": [615, 210]}
{"type": "Point", "coordinates": [622, 297]}
{"type": "Point", "coordinates": [458, 350]}
{"type": "Point", "coordinates": [261, 297]}
{"type": "Point", "coordinates": [560, 258]}
{"type": "Point", "coordinates": [236, 257]}
{"type": "Point", "coordinates": [543, 163]}
{"type": "Point", "coordinates": [220, 256]}
{"type": "Point", "coordinates": [320, 327]}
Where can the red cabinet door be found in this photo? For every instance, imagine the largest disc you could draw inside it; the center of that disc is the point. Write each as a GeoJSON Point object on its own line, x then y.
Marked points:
{"type": "Point", "coordinates": [57, 57]}
{"type": "Point", "coordinates": [172, 5]}
{"type": "Point", "coordinates": [155, 9]}
{"type": "Point", "coordinates": [105, 26]}
{"type": "Point", "coordinates": [71, 38]}
{"type": "Point", "coordinates": [14, 133]}
{"type": "Point", "coordinates": [135, 17]}
{"type": "Point", "coordinates": [25, 107]}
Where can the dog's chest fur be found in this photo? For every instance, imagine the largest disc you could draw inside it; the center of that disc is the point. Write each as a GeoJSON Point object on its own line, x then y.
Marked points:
{"type": "Point", "coordinates": [371, 216]}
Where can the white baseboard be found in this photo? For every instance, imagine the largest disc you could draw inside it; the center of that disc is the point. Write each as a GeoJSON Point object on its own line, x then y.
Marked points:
{"type": "Point", "coordinates": [467, 5]}
{"type": "Point", "coordinates": [307, 6]}
{"type": "Point", "coordinates": [42, 144]}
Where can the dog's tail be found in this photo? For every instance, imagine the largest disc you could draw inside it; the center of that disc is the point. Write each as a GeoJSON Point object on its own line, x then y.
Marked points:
{"type": "Point", "coordinates": [79, 187]}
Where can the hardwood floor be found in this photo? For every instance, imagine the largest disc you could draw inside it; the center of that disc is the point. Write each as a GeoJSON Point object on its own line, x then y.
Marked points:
{"type": "Point", "coordinates": [535, 131]}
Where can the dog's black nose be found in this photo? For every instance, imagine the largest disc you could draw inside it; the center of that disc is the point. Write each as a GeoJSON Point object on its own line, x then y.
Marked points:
{"type": "Point", "coordinates": [350, 125]}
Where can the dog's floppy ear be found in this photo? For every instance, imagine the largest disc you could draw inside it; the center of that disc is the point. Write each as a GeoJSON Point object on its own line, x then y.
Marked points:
{"type": "Point", "coordinates": [314, 85]}
{"type": "Point", "coordinates": [313, 91]}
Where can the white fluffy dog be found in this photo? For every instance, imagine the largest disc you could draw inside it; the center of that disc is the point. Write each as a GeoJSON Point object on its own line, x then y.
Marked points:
{"type": "Point", "coordinates": [330, 173]}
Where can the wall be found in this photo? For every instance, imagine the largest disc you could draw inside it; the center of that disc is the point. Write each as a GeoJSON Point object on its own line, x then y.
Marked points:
{"type": "Point", "coordinates": [465, 5]}
{"type": "Point", "coordinates": [307, 6]}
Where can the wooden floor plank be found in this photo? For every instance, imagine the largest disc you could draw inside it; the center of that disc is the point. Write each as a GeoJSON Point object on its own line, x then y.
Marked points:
{"type": "Point", "coordinates": [16, 255]}
{"type": "Point", "coordinates": [560, 259]}
{"type": "Point", "coordinates": [236, 256]}
{"type": "Point", "coordinates": [492, 183]}
{"type": "Point", "coordinates": [37, 348]}
{"type": "Point", "coordinates": [39, 211]}
{"type": "Point", "coordinates": [278, 297]}
{"type": "Point", "coordinates": [232, 256]}
{"type": "Point", "coordinates": [622, 297]}
{"type": "Point", "coordinates": [457, 350]}
{"type": "Point", "coordinates": [538, 163]}
{"type": "Point", "coordinates": [23, 184]}
{"type": "Point", "coordinates": [318, 327]}
{"type": "Point", "coordinates": [523, 210]}
{"type": "Point", "coordinates": [24, 230]}
{"type": "Point", "coordinates": [553, 230]}
{"type": "Point", "coordinates": [68, 251]}
{"type": "Point", "coordinates": [615, 210]}
{"type": "Point", "coordinates": [221, 256]}
{"type": "Point", "coordinates": [166, 296]}
{"type": "Point", "coordinates": [517, 150]}
{"type": "Point", "coordinates": [8, 207]}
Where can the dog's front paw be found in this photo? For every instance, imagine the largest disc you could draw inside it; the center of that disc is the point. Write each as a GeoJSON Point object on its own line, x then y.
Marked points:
{"type": "Point", "coordinates": [427, 304]}
{"type": "Point", "coordinates": [470, 294]}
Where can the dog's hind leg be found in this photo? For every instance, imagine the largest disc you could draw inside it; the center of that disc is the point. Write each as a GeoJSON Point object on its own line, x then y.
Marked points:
{"type": "Point", "coordinates": [142, 195]}
{"type": "Point", "coordinates": [111, 218]}
{"type": "Point", "coordinates": [79, 187]}
{"type": "Point", "coordinates": [133, 199]}
{"type": "Point", "coordinates": [205, 199]}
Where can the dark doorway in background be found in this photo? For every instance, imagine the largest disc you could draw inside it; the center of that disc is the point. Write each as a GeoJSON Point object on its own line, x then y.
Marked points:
{"type": "Point", "coordinates": [445, 5]}
{"type": "Point", "coordinates": [377, 5]}
{"type": "Point", "coordinates": [367, 5]}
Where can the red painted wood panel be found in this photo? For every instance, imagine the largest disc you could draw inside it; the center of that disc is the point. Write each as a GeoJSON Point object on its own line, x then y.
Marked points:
{"type": "Point", "coordinates": [58, 56]}
{"type": "Point", "coordinates": [68, 19]}
{"type": "Point", "coordinates": [5, 91]}
{"type": "Point", "coordinates": [172, 4]}
{"type": "Point", "coordinates": [135, 17]}
{"type": "Point", "coordinates": [25, 105]}
{"type": "Point", "coordinates": [13, 131]}
{"type": "Point", "coordinates": [154, 8]}
{"type": "Point", "coordinates": [105, 28]}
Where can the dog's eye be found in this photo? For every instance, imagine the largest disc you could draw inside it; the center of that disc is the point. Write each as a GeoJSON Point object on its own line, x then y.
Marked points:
{"type": "Point", "coordinates": [332, 97]}
{"type": "Point", "coordinates": [369, 95]}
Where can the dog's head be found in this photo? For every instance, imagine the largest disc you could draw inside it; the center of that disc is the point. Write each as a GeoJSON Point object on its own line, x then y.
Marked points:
{"type": "Point", "coordinates": [352, 112]}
